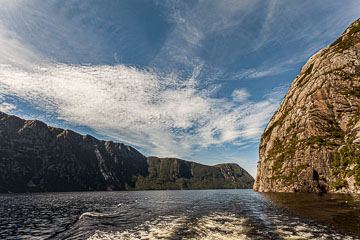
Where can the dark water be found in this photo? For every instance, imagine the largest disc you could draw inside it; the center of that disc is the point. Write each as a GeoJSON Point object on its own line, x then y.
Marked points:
{"type": "Point", "coordinates": [206, 214]}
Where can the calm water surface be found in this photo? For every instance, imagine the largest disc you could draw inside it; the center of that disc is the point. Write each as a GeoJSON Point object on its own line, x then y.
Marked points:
{"type": "Point", "coordinates": [205, 214]}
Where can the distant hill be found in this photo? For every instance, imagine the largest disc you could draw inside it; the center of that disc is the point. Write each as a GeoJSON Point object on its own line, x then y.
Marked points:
{"type": "Point", "coordinates": [172, 173]}
{"type": "Point", "coordinates": [37, 158]}
{"type": "Point", "coordinates": [312, 143]}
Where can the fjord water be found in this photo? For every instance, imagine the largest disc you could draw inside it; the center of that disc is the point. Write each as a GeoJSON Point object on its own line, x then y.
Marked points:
{"type": "Point", "coordinates": [197, 214]}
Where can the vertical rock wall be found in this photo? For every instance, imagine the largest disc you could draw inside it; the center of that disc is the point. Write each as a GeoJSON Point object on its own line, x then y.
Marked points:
{"type": "Point", "coordinates": [312, 143]}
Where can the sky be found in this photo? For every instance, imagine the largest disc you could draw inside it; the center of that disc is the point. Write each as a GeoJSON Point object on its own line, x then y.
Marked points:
{"type": "Point", "coordinates": [197, 80]}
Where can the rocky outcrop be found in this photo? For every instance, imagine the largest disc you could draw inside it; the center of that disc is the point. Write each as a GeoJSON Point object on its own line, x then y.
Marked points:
{"type": "Point", "coordinates": [312, 143]}
{"type": "Point", "coordinates": [36, 157]}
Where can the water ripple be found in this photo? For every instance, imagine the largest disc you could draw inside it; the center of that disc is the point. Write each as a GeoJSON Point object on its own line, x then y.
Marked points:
{"type": "Point", "coordinates": [211, 214]}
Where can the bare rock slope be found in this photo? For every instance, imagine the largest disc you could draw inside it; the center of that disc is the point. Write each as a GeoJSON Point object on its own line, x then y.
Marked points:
{"type": "Point", "coordinates": [312, 143]}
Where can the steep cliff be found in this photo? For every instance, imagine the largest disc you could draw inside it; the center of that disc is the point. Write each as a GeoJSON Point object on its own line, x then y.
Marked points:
{"type": "Point", "coordinates": [312, 143]}
{"type": "Point", "coordinates": [36, 157]}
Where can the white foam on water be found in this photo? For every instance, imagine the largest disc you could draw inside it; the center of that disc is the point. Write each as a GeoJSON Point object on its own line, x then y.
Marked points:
{"type": "Point", "coordinates": [218, 226]}
{"type": "Point", "coordinates": [211, 227]}
{"type": "Point", "coordinates": [305, 231]}
{"type": "Point", "coordinates": [97, 214]}
{"type": "Point", "coordinates": [90, 214]}
{"type": "Point", "coordinates": [162, 228]}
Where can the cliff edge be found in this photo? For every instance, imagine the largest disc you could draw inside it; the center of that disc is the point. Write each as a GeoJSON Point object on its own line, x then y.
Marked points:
{"type": "Point", "coordinates": [312, 143]}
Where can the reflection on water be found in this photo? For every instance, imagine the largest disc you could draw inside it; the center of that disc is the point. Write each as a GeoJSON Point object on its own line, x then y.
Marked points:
{"type": "Point", "coordinates": [339, 210]}
{"type": "Point", "coordinates": [205, 214]}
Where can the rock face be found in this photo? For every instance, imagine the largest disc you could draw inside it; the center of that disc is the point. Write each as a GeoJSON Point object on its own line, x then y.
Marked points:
{"type": "Point", "coordinates": [35, 157]}
{"type": "Point", "coordinates": [312, 143]}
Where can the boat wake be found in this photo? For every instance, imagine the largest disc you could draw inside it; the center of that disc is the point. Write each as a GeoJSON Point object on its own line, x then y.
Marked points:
{"type": "Point", "coordinates": [220, 226]}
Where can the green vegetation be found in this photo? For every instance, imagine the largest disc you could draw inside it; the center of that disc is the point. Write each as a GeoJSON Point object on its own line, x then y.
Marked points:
{"type": "Point", "coordinates": [173, 174]}
{"type": "Point", "coordinates": [335, 131]}
{"type": "Point", "coordinates": [330, 106]}
{"type": "Point", "coordinates": [356, 173]}
{"type": "Point", "coordinates": [310, 68]}
{"type": "Point", "coordinates": [308, 71]}
{"type": "Point", "coordinates": [275, 124]}
{"type": "Point", "coordinates": [346, 163]}
{"type": "Point", "coordinates": [292, 126]}
{"type": "Point", "coordinates": [355, 119]}
{"type": "Point", "coordinates": [317, 140]}
{"type": "Point", "coordinates": [340, 184]}
{"type": "Point", "coordinates": [334, 135]}
{"type": "Point", "coordinates": [355, 29]}
{"type": "Point", "coordinates": [343, 158]}
{"type": "Point", "coordinates": [292, 177]}
{"type": "Point", "coordinates": [343, 44]}
{"type": "Point", "coordinates": [280, 153]}
{"type": "Point", "coordinates": [355, 91]}
{"type": "Point", "coordinates": [322, 178]}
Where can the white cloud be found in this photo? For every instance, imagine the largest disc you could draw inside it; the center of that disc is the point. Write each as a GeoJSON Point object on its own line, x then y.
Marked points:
{"type": "Point", "coordinates": [263, 71]}
{"type": "Point", "coordinates": [276, 68]}
{"type": "Point", "coordinates": [240, 95]}
{"type": "Point", "coordinates": [6, 107]}
{"type": "Point", "coordinates": [164, 114]}
{"type": "Point", "coordinates": [195, 22]}
{"type": "Point", "coordinates": [13, 51]}
{"type": "Point", "coordinates": [160, 113]}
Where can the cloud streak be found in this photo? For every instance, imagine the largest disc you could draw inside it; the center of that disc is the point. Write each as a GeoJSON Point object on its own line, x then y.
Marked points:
{"type": "Point", "coordinates": [162, 114]}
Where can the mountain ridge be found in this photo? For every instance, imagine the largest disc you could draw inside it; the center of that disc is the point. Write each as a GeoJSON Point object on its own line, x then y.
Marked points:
{"type": "Point", "coordinates": [35, 157]}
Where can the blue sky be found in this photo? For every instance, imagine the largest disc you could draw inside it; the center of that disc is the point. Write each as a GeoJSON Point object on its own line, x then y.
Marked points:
{"type": "Point", "coordinates": [197, 80]}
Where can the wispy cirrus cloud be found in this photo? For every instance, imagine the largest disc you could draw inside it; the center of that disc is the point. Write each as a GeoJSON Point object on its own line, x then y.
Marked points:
{"type": "Point", "coordinates": [145, 72]}
{"type": "Point", "coordinates": [277, 67]}
{"type": "Point", "coordinates": [198, 21]}
{"type": "Point", "coordinates": [240, 95]}
{"type": "Point", "coordinates": [16, 52]}
{"type": "Point", "coordinates": [162, 114]}
{"type": "Point", "coordinates": [5, 106]}
{"type": "Point", "coordinates": [224, 34]}
{"type": "Point", "coordinates": [82, 32]}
